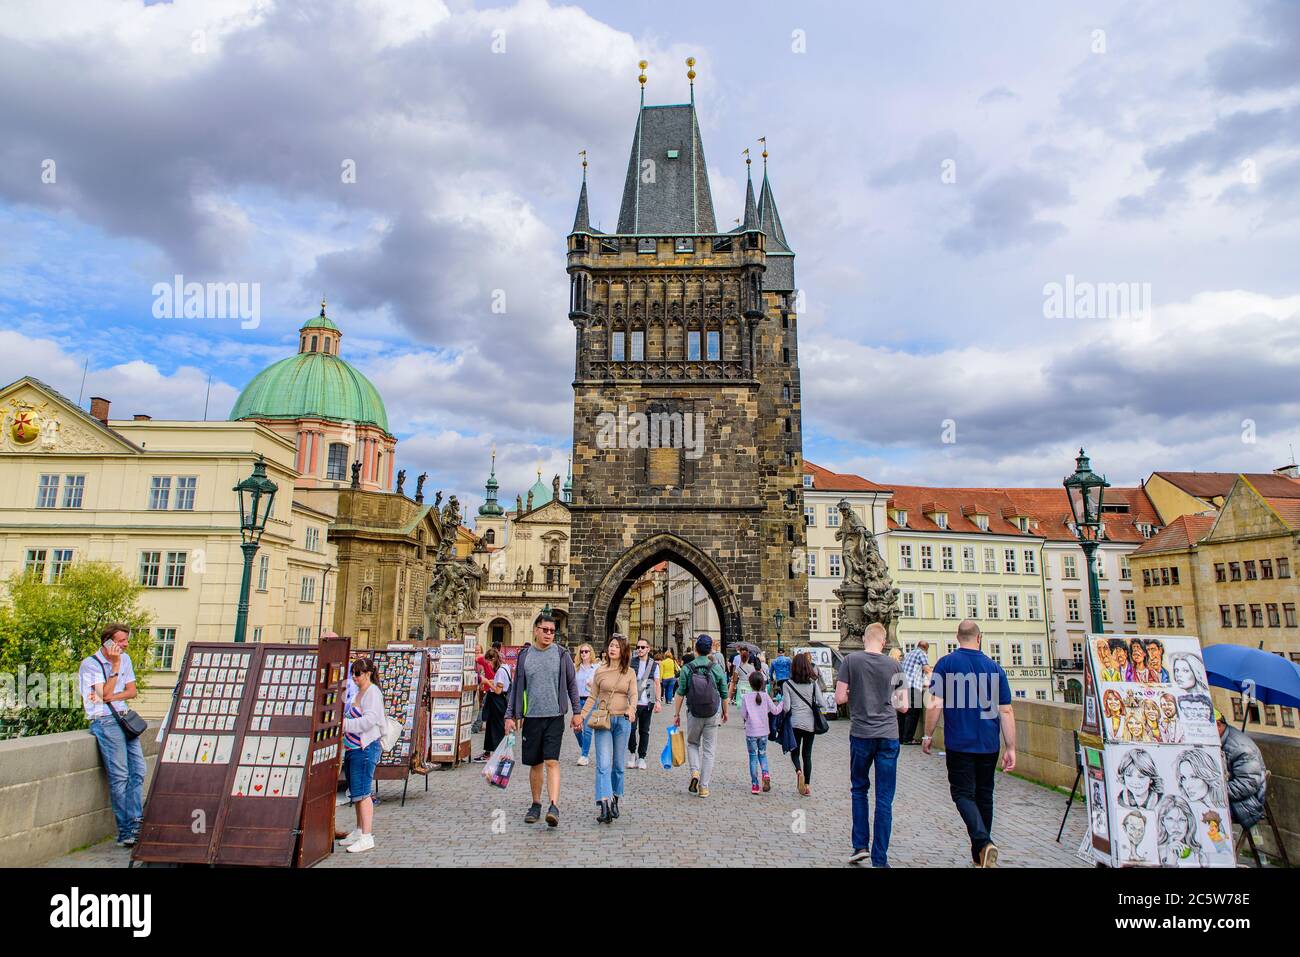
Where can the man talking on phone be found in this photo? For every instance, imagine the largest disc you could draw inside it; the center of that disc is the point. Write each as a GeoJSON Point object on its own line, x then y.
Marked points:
{"type": "Point", "coordinates": [107, 680]}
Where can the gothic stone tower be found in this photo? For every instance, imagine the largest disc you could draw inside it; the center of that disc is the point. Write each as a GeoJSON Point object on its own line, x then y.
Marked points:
{"type": "Point", "coordinates": [684, 324]}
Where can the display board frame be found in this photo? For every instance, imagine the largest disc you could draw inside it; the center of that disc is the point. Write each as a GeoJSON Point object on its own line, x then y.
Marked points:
{"type": "Point", "coordinates": [262, 795]}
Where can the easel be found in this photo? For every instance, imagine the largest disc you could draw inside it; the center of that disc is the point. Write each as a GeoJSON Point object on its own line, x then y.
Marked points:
{"type": "Point", "coordinates": [1074, 789]}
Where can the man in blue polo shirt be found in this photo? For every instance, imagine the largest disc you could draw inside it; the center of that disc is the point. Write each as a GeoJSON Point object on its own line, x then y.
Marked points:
{"type": "Point", "coordinates": [971, 691]}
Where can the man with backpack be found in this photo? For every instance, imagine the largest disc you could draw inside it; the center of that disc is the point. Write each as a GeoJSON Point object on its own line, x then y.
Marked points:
{"type": "Point", "coordinates": [702, 686]}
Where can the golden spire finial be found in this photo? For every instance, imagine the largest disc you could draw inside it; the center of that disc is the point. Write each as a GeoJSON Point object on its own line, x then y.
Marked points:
{"type": "Point", "coordinates": [690, 68]}
{"type": "Point", "coordinates": [322, 306]}
{"type": "Point", "coordinates": [763, 140]}
{"type": "Point", "coordinates": [641, 79]}
{"type": "Point", "coordinates": [583, 154]}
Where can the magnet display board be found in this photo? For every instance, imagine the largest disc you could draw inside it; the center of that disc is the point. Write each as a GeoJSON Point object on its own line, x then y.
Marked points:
{"type": "Point", "coordinates": [452, 701]}
{"type": "Point", "coordinates": [404, 684]}
{"type": "Point", "coordinates": [246, 772]}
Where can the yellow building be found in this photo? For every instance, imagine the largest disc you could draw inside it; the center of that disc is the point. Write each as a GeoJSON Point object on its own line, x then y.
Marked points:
{"type": "Point", "coordinates": [156, 499]}
{"type": "Point", "coordinates": [1195, 493]}
{"type": "Point", "coordinates": [1228, 577]}
{"type": "Point", "coordinates": [968, 553]}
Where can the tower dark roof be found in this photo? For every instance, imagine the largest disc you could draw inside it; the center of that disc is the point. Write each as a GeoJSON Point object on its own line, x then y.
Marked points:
{"type": "Point", "coordinates": [676, 199]}
{"type": "Point", "coordinates": [770, 220]}
{"type": "Point", "coordinates": [750, 222]}
{"type": "Point", "coordinates": [581, 220]}
{"type": "Point", "coordinates": [780, 257]}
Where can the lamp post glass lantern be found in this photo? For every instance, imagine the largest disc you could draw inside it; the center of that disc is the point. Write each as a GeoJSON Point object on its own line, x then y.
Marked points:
{"type": "Point", "coordinates": [778, 618]}
{"type": "Point", "coordinates": [1085, 489]}
{"type": "Point", "coordinates": [256, 498]}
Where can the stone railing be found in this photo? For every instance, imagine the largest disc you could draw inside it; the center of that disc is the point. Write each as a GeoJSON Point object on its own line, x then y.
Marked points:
{"type": "Point", "coordinates": [54, 795]}
{"type": "Point", "coordinates": [1045, 753]}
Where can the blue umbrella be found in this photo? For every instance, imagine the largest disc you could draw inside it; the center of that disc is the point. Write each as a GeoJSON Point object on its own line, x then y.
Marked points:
{"type": "Point", "coordinates": [1259, 674]}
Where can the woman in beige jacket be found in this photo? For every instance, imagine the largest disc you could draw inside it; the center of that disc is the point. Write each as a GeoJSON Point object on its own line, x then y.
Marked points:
{"type": "Point", "coordinates": [613, 687]}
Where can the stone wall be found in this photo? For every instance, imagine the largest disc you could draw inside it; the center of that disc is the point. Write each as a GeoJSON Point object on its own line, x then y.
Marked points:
{"type": "Point", "coordinates": [54, 795]}
{"type": "Point", "coordinates": [1045, 753]}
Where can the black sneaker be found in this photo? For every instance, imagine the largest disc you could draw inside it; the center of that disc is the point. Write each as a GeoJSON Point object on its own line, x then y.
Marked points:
{"type": "Point", "coordinates": [552, 816]}
{"type": "Point", "coordinates": [859, 855]}
{"type": "Point", "coordinates": [534, 814]}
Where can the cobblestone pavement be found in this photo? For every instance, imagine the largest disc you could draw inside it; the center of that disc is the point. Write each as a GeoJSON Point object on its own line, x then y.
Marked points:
{"type": "Point", "coordinates": [462, 822]}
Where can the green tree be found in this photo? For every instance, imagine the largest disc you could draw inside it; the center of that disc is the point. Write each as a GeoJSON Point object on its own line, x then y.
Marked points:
{"type": "Point", "coordinates": [46, 629]}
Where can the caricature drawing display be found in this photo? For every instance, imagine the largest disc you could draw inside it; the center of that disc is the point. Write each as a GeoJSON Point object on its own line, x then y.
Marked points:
{"type": "Point", "coordinates": [1165, 784]}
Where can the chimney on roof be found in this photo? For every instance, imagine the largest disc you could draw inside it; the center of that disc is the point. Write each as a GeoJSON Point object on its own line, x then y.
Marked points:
{"type": "Point", "coordinates": [99, 409]}
{"type": "Point", "coordinates": [141, 417]}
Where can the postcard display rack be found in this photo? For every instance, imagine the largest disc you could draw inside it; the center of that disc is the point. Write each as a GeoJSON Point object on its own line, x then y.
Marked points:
{"type": "Point", "coordinates": [247, 768]}
{"type": "Point", "coordinates": [451, 713]}
{"type": "Point", "coordinates": [1153, 770]}
{"type": "Point", "coordinates": [404, 682]}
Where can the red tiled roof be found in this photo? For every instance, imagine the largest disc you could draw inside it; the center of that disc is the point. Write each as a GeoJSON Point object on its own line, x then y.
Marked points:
{"type": "Point", "coordinates": [1183, 531]}
{"type": "Point", "coordinates": [1288, 509]}
{"type": "Point", "coordinates": [1049, 508]}
{"type": "Point", "coordinates": [827, 481]}
{"type": "Point", "coordinates": [960, 504]}
{"type": "Point", "coordinates": [1208, 485]}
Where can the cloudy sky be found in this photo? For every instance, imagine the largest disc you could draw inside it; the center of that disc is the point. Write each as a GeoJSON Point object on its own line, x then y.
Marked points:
{"type": "Point", "coordinates": [938, 166]}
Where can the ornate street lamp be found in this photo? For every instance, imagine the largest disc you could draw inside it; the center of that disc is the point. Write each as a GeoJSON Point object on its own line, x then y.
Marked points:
{"type": "Point", "coordinates": [1085, 489]}
{"type": "Point", "coordinates": [779, 618]}
{"type": "Point", "coordinates": [256, 496]}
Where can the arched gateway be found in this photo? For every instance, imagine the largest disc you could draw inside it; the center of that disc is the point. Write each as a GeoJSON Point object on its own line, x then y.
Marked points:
{"type": "Point", "coordinates": [686, 414]}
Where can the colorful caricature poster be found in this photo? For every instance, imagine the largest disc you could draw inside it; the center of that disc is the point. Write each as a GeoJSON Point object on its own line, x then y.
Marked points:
{"type": "Point", "coordinates": [1149, 690]}
{"type": "Point", "coordinates": [1168, 806]}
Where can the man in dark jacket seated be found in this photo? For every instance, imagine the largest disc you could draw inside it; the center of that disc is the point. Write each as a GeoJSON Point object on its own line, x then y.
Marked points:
{"type": "Point", "coordinates": [1245, 774]}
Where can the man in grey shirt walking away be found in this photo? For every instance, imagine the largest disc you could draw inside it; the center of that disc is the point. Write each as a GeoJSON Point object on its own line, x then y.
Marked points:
{"type": "Point", "coordinates": [545, 674]}
{"type": "Point", "coordinates": [871, 684]}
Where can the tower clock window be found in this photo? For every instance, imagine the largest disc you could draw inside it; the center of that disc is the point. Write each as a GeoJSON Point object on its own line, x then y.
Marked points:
{"type": "Point", "coordinates": [715, 346]}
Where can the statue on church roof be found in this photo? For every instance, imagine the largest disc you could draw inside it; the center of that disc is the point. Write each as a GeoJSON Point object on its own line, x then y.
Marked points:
{"type": "Point", "coordinates": [401, 480]}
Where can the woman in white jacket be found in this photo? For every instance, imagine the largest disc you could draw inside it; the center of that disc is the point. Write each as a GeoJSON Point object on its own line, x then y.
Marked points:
{"type": "Point", "coordinates": [363, 725]}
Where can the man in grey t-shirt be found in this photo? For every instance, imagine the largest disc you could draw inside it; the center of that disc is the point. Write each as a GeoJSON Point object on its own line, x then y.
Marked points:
{"type": "Point", "coordinates": [545, 686]}
{"type": "Point", "coordinates": [871, 684]}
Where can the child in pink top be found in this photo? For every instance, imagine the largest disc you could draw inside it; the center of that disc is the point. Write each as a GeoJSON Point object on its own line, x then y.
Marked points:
{"type": "Point", "coordinates": [755, 708]}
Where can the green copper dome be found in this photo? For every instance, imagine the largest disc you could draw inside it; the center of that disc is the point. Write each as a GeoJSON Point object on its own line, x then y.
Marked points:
{"type": "Point", "coordinates": [313, 384]}
{"type": "Point", "coordinates": [541, 492]}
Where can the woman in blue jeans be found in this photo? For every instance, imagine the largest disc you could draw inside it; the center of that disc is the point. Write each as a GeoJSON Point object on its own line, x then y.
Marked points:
{"type": "Point", "coordinates": [613, 687]}
{"type": "Point", "coordinates": [584, 667]}
{"type": "Point", "coordinates": [363, 725]}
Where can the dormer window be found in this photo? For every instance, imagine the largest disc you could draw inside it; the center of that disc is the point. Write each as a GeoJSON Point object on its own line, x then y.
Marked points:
{"type": "Point", "coordinates": [900, 517]}
{"type": "Point", "coordinates": [941, 519]}
{"type": "Point", "coordinates": [807, 481]}
{"type": "Point", "coordinates": [981, 522]}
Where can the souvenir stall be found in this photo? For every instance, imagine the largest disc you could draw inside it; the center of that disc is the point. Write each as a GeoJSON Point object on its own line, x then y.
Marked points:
{"type": "Point", "coordinates": [247, 765]}
{"type": "Point", "coordinates": [453, 698]}
{"type": "Point", "coordinates": [404, 681]}
{"type": "Point", "coordinates": [1155, 779]}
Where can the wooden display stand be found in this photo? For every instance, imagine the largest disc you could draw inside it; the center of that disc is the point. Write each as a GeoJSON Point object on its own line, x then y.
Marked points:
{"type": "Point", "coordinates": [404, 682]}
{"type": "Point", "coordinates": [246, 771]}
{"type": "Point", "coordinates": [453, 699]}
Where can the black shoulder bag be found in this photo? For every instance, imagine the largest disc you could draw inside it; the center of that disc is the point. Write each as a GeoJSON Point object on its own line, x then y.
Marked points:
{"type": "Point", "coordinates": [820, 724]}
{"type": "Point", "coordinates": [132, 724]}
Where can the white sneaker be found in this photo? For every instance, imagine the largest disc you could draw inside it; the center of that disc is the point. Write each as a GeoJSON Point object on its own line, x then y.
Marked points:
{"type": "Point", "coordinates": [353, 836]}
{"type": "Point", "coordinates": [366, 842]}
{"type": "Point", "coordinates": [582, 760]}
{"type": "Point", "coordinates": [641, 764]}
{"type": "Point", "coordinates": [631, 762]}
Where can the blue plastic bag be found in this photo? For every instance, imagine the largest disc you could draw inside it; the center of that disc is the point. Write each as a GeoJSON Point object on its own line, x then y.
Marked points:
{"type": "Point", "coordinates": [674, 752]}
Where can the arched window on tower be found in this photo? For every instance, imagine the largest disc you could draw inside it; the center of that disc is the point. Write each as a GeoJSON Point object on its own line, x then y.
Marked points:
{"type": "Point", "coordinates": [313, 343]}
{"type": "Point", "coordinates": [490, 536]}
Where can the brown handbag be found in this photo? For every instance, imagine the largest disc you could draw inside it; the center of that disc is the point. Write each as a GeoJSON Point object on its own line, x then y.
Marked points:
{"type": "Point", "coordinates": [599, 717]}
